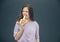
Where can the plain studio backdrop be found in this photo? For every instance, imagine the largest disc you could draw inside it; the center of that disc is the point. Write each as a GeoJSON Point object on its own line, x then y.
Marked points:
{"type": "Point", "coordinates": [46, 13]}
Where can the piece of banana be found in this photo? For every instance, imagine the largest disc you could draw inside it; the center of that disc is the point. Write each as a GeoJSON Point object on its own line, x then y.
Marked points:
{"type": "Point", "coordinates": [24, 19]}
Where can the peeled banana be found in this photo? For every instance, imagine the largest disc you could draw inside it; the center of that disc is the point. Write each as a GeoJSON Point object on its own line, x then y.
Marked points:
{"type": "Point", "coordinates": [24, 19]}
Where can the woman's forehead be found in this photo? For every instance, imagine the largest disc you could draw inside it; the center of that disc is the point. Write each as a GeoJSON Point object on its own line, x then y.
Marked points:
{"type": "Point", "coordinates": [25, 8]}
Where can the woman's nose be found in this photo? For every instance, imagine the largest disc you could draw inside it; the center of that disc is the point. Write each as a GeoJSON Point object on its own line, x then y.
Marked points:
{"type": "Point", "coordinates": [24, 14]}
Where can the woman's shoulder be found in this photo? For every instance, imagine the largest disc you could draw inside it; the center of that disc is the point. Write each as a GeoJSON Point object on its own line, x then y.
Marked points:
{"type": "Point", "coordinates": [35, 22]}
{"type": "Point", "coordinates": [17, 22]}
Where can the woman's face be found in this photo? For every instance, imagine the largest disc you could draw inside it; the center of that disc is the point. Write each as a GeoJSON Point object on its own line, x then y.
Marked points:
{"type": "Point", "coordinates": [25, 12]}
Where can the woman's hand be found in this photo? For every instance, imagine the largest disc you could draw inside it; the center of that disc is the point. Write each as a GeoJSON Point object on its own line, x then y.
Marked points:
{"type": "Point", "coordinates": [23, 21]}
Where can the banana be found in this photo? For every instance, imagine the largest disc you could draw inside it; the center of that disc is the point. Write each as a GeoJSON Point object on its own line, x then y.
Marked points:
{"type": "Point", "coordinates": [24, 19]}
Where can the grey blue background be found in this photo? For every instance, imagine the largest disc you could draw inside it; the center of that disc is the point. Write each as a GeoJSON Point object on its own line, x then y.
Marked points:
{"type": "Point", "coordinates": [46, 13]}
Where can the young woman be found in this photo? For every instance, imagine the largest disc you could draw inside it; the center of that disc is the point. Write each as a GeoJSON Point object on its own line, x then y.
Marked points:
{"type": "Point", "coordinates": [26, 28]}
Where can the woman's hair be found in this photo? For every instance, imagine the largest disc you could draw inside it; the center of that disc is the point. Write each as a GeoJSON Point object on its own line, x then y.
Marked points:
{"type": "Point", "coordinates": [31, 14]}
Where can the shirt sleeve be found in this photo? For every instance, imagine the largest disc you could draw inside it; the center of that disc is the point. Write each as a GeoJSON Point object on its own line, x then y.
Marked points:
{"type": "Point", "coordinates": [37, 31]}
{"type": "Point", "coordinates": [16, 29]}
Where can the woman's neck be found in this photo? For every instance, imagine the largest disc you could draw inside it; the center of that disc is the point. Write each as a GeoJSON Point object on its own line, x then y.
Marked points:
{"type": "Point", "coordinates": [29, 20]}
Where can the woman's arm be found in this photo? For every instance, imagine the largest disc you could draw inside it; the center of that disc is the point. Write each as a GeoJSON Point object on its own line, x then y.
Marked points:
{"type": "Point", "coordinates": [37, 32]}
{"type": "Point", "coordinates": [19, 34]}
{"type": "Point", "coordinates": [37, 40]}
